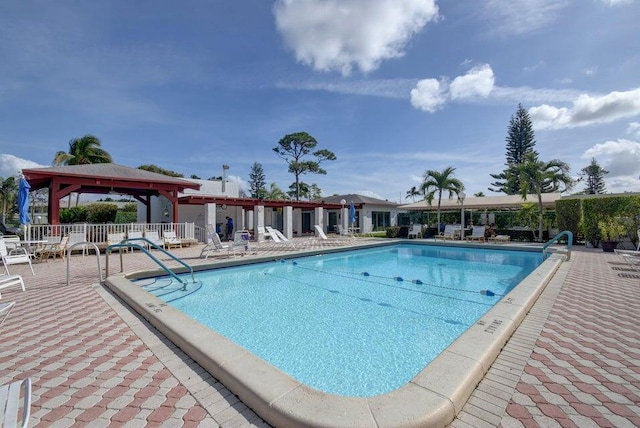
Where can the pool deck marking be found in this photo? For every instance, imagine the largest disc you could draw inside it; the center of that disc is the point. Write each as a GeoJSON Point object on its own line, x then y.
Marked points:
{"type": "Point", "coordinates": [78, 351]}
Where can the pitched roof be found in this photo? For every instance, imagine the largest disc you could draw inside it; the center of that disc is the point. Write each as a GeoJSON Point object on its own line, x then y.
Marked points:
{"type": "Point", "coordinates": [107, 171]}
{"type": "Point", "coordinates": [357, 199]}
{"type": "Point", "coordinates": [484, 202]}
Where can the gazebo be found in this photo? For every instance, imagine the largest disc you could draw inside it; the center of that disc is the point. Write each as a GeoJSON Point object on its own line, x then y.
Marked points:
{"type": "Point", "coordinates": [105, 178]}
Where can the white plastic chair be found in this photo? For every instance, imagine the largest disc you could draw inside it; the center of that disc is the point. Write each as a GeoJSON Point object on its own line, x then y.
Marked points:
{"type": "Point", "coordinates": [153, 237]}
{"type": "Point", "coordinates": [171, 240]}
{"type": "Point", "coordinates": [10, 281]}
{"type": "Point", "coordinates": [14, 257]}
{"type": "Point", "coordinates": [10, 403]}
{"type": "Point", "coordinates": [415, 231]}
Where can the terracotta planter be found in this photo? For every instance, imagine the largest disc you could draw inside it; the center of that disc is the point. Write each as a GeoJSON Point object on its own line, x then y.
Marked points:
{"type": "Point", "coordinates": [609, 246]}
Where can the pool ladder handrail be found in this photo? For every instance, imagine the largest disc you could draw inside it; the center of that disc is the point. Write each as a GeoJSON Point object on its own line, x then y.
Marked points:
{"type": "Point", "coordinates": [127, 243]}
{"type": "Point", "coordinates": [554, 240]}
{"type": "Point", "coordinates": [84, 244]}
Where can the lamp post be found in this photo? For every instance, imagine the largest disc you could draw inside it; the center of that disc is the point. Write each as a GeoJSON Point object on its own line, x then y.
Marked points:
{"type": "Point", "coordinates": [461, 196]}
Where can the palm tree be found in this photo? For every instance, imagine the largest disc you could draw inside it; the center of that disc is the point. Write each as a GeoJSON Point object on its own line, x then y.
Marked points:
{"type": "Point", "coordinates": [82, 151]}
{"type": "Point", "coordinates": [275, 193]}
{"type": "Point", "coordinates": [438, 182]}
{"type": "Point", "coordinates": [538, 177]}
{"type": "Point", "coordinates": [412, 193]}
{"type": "Point", "coordinates": [8, 189]}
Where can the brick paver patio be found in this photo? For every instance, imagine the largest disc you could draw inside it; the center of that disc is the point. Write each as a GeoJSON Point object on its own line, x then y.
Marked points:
{"type": "Point", "coordinates": [575, 360]}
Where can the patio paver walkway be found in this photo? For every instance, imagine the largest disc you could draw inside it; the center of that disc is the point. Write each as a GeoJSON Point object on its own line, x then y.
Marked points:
{"type": "Point", "coordinates": [575, 361]}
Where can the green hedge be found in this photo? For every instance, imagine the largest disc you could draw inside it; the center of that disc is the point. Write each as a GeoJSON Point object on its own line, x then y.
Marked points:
{"type": "Point", "coordinates": [569, 215]}
{"type": "Point", "coordinates": [581, 215]}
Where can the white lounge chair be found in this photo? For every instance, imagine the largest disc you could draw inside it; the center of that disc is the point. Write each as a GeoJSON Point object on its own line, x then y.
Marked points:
{"type": "Point", "coordinates": [14, 257]}
{"type": "Point", "coordinates": [262, 234]}
{"type": "Point", "coordinates": [153, 237]}
{"type": "Point", "coordinates": [477, 234]}
{"type": "Point", "coordinates": [10, 403]}
{"type": "Point", "coordinates": [451, 231]}
{"type": "Point", "coordinates": [75, 238]}
{"type": "Point", "coordinates": [415, 231]}
{"type": "Point", "coordinates": [320, 233]}
{"type": "Point", "coordinates": [136, 235]}
{"type": "Point", "coordinates": [500, 239]}
{"type": "Point", "coordinates": [171, 240]}
{"type": "Point", "coordinates": [631, 257]}
{"type": "Point", "coordinates": [116, 238]}
{"type": "Point", "coordinates": [278, 237]}
{"type": "Point", "coordinates": [11, 280]}
{"type": "Point", "coordinates": [217, 245]}
{"type": "Point", "coordinates": [5, 308]}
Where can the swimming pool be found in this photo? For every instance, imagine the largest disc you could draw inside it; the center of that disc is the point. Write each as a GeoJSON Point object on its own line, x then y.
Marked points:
{"type": "Point", "coordinates": [361, 323]}
{"type": "Point", "coordinates": [432, 396]}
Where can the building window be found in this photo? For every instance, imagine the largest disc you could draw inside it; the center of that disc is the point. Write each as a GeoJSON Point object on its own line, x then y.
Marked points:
{"type": "Point", "coordinates": [380, 219]}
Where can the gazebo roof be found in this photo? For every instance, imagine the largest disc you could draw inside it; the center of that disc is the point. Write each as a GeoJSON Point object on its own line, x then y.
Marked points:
{"type": "Point", "coordinates": [485, 202]}
{"type": "Point", "coordinates": [106, 176]}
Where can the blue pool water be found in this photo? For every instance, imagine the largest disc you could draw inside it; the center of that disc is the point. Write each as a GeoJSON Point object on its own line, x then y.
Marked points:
{"type": "Point", "coordinates": [357, 323]}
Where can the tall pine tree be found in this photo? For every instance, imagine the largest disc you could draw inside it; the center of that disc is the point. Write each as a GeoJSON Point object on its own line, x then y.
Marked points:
{"type": "Point", "coordinates": [594, 176]}
{"type": "Point", "coordinates": [520, 141]}
{"type": "Point", "coordinates": [257, 181]}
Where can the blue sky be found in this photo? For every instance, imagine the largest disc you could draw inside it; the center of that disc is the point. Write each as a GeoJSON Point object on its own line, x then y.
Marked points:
{"type": "Point", "coordinates": [392, 87]}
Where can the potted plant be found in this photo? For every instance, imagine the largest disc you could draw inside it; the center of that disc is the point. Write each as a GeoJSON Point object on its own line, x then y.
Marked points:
{"type": "Point", "coordinates": [611, 230]}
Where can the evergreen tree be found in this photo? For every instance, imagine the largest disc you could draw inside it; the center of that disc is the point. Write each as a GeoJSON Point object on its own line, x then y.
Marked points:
{"type": "Point", "coordinates": [594, 176]}
{"type": "Point", "coordinates": [293, 148]}
{"type": "Point", "coordinates": [257, 181]}
{"type": "Point", "coordinates": [520, 141]}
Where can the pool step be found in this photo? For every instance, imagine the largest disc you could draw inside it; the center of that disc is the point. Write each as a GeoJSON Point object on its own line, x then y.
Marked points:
{"type": "Point", "coordinates": [168, 289]}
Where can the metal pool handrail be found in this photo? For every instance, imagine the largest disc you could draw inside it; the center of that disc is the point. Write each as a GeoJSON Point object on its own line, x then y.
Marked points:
{"type": "Point", "coordinates": [77, 244]}
{"type": "Point", "coordinates": [128, 244]}
{"type": "Point", "coordinates": [555, 239]}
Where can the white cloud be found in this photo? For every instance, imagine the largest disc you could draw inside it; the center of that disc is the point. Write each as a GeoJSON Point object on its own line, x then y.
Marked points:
{"type": "Point", "coordinates": [523, 16]}
{"type": "Point", "coordinates": [339, 35]}
{"type": "Point", "coordinates": [617, 2]}
{"type": "Point", "coordinates": [389, 88]}
{"type": "Point", "coordinates": [634, 129]}
{"type": "Point", "coordinates": [429, 95]}
{"type": "Point", "coordinates": [478, 82]}
{"type": "Point", "coordinates": [587, 110]}
{"type": "Point", "coordinates": [11, 165]}
{"type": "Point", "coordinates": [621, 158]}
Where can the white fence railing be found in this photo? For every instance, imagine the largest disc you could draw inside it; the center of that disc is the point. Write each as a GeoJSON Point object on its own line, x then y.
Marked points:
{"type": "Point", "coordinates": [97, 233]}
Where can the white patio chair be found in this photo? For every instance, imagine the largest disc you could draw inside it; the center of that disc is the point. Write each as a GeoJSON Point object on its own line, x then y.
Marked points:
{"type": "Point", "coordinates": [153, 237]}
{"type": "Point", "coordinates": [451, 231]}
{"type": "Point", "coordinates": [171, 240]}
{"type": "Point", "coordinates": [14, 257]}
{"type": "Point", "coordinates": [116, 238]}
{"type": "Point", "coordinates": [10, 403]}
{"type": "Point", "coordinates": [477, 234]}
{"type": "Point", "coordinates": [10, 281]}
{"type": "Point", "coordinates": [415, 231]}
{"type": "Point", "coordinates": [136, 235]}
{"type": "Point", "coordinates": [75, 238]}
